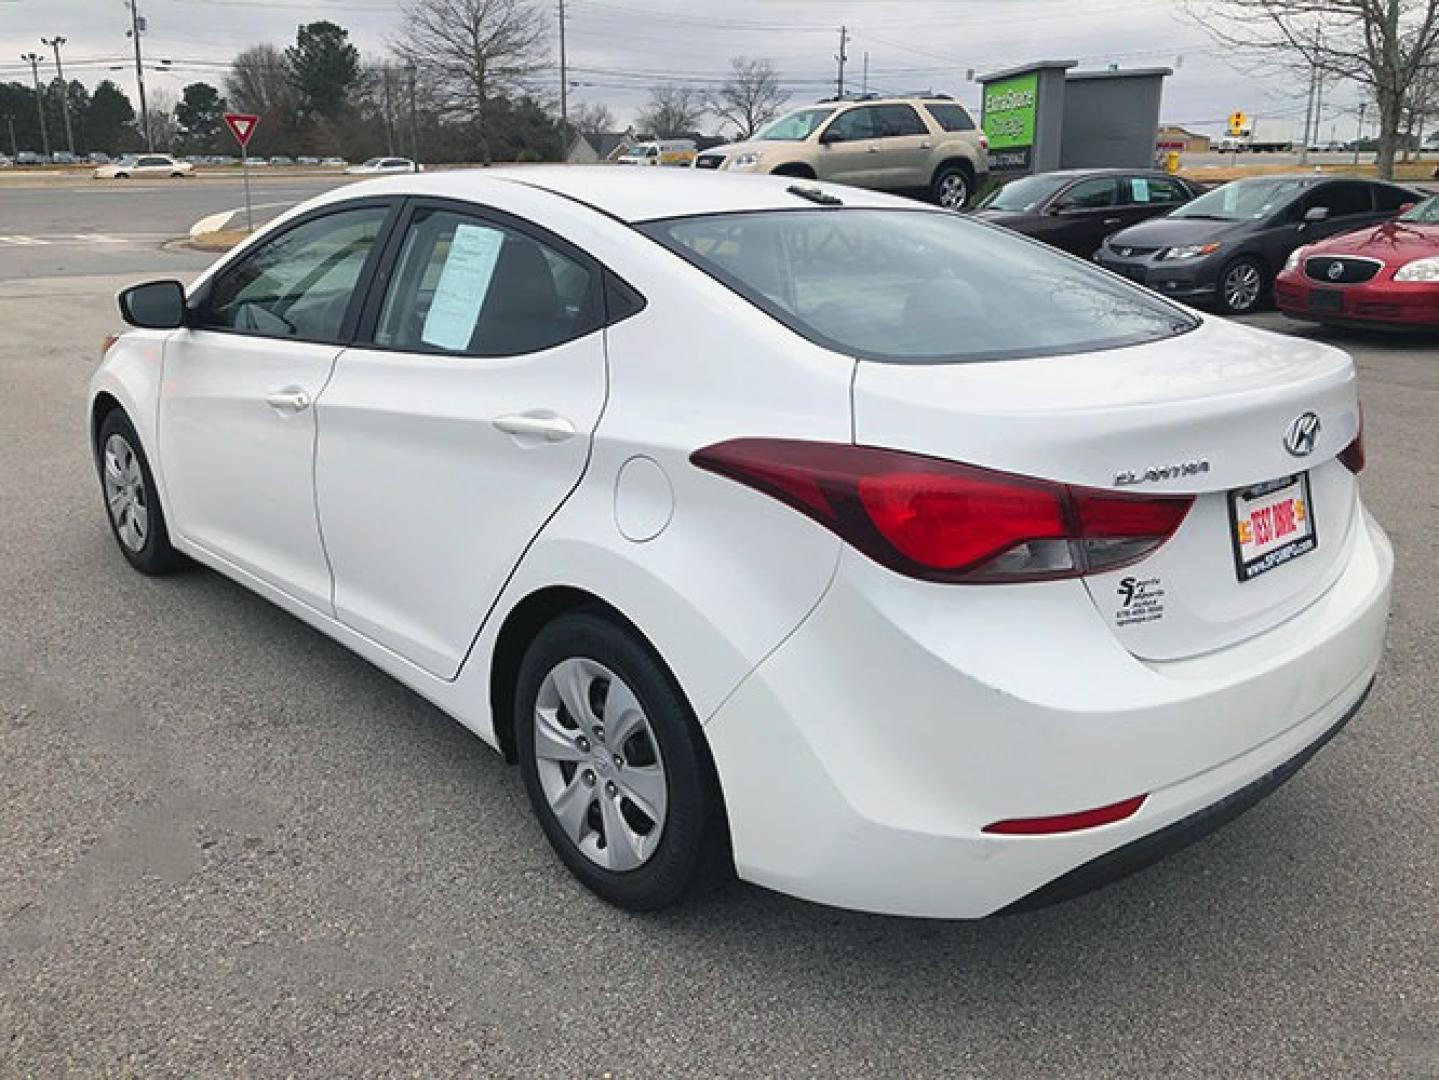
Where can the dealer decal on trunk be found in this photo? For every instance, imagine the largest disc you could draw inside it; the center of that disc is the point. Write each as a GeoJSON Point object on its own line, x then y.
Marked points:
{"type": "Point", "coordinates": [1141, 601]}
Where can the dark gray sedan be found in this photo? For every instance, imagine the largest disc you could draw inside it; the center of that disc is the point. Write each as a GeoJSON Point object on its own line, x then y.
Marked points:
{"type": "Point", "coordinates": [1226, 246]}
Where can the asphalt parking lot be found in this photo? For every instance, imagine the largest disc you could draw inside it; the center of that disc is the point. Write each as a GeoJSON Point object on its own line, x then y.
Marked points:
{"type": "Point", "coordinates": [232, 846]}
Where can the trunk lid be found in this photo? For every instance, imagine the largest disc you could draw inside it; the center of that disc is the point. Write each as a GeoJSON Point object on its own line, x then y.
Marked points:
{"type": "Point", "coordinates": [1205, 413]}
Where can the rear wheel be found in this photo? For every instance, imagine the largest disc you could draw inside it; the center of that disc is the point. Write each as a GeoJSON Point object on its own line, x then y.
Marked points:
{"type": "Point", "coordinates": [616, 767]}
{"type": "Point", "coordinates": [952, 187]}
{"type": "Point", "coordinates": [1242, 286]}
{"type": "Point", "coordinates": [802, 171]}
{"type": "Point", "coordinates": [122, 176]}
{"type": "Point", "coordinates": [131, 504]}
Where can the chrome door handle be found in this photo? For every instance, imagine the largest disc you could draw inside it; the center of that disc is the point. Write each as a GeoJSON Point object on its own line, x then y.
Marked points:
{"type": "Point", "coordinates": [549, 428]}
{"type": "Point", "coordinates": [291, 399]}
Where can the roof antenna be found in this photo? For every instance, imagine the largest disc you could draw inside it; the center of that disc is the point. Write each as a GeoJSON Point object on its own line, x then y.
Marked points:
{"type": "Point", "coordinates": [814, 195]}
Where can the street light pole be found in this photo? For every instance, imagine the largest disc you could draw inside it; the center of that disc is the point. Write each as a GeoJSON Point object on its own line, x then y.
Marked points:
{"type": "Point", "coordinates": [55, 43]}
{"type": "Point", "coordinates": [137, 25]}
{"type": "Point", "coordinates": [564, 81]}
{"type": "Point", "coordinates": [14, 145]}
{"type": "Point", "coordinates": [411, 69]}
{"type": "Point", "coordinates": [35, 60]}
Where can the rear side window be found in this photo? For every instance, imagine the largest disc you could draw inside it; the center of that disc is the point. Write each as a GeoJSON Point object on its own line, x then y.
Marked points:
{"type": "Point", "coordinates": [907, 286]}
{"type": "Point", "coordinates": [469, 286]}
{"type": "Point", "coordinates": [899, 120]}
{"type": "Point", "coordinates": [1151, 190]}
{"type": "Point", "coordinates": [951, 117]}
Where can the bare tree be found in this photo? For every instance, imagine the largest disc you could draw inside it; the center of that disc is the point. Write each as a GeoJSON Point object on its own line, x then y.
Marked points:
{"type": "Point", "coordinates": [672, 111]}
{"type": "Point", "coordinates": [591, 119]}
{"type": "Point", "coordinates": [473, 51]}
{"type": "Point", "coordinates": [751, 97]}
{"type": "Point", "coordinates": [259, 82]}
{"type": "Point", "coordinates": [1383, 45]}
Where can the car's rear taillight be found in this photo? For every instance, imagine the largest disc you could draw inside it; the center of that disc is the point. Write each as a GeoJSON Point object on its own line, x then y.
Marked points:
{"type": "Point", "coordinates": [1352, 456]}
{"type": "Point", "coordinates": [944, 521]}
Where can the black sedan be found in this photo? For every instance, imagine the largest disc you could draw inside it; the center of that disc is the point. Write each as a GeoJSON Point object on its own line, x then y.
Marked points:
{"type": "Point", "coordinates": [1075, 209]}
{"type": "Point", "coordinates": [1226, 246]}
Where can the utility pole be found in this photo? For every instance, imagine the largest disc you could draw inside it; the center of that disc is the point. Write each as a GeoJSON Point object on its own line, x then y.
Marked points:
{"type": "Point", "coordinates": [411, 70]}
{"type": "Point", "coordinates": [1362, 106]}
{"type": "Point", "coordinates": [1308, 115]}
{"type": "Point", "coordinates": [842, 57]}
{"type": "Point", "coordinates": [14, 146]}
{"type": "Point", "coordinates": [35, 60]}
{"type": "Point", "coordinates": [55, 43]}
{"type": "Point", "coordinates": [864, 84]}
{"type": "Point", "coordinates": [137, 27]}
{"type": "Point", "coordinates": [564, 79]}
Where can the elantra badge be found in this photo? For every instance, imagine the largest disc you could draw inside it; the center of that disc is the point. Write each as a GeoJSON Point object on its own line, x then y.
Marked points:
{"type": "Point", "coordinates": [1302, 435]}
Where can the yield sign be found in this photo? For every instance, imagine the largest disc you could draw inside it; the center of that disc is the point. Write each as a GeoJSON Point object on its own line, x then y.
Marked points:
{"type": "Point", "coordinates": [242, 126]}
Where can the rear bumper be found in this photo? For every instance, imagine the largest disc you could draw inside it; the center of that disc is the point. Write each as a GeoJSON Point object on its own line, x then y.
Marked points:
{"type": "Point", "coordinates": [1377, 303]}
{"type": "Point", "coordinates": [861, 761]}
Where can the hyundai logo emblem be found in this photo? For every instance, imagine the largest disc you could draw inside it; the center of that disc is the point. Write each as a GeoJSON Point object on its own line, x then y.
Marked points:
{"type": "Point", "coordinates": [1302, 435]}
{"type": "Point", "coordinates": [1126, 252]}
{"type": "Point", "coordinates": [1335, 271]}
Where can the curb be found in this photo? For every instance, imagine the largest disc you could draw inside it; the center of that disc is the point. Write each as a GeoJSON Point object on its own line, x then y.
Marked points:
{"type": "Point", "coordinates": [213, 223]}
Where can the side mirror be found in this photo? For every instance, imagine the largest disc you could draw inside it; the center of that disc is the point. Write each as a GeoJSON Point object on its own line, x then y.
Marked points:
{"type": "Point", "coordinates": [1316, 214]}
{"type": "Point", "coordinates": [830, 135]}
{"type": "Point", "coordinates": [155, 305]}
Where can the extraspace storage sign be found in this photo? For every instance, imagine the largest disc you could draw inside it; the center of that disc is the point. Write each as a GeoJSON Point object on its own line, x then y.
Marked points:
{"type": "Point", "coordinates": [1009, 111]}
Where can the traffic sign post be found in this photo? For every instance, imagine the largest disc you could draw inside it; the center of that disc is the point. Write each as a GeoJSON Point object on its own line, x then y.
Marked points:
{"type": "Point", "coordinates": [242, 126]}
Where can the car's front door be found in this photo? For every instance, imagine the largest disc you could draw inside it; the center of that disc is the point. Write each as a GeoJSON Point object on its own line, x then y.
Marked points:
{"type": "Point", "coordinates": [236, 421]}
{"type": "Point", "coordinates": [1088, 211]}
{"type": "Point", "coordinates": [449, 439]}
{"type": "Point", "coordinates": [849, 151]}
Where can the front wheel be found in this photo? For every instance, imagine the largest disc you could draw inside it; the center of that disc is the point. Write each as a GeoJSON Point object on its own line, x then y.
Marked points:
{"type": "Point", "coordinates": [616, 767]}
{"type": "Point", "coordinates": [130, 500]}
{"type": "Point", "coordinates": [1241, 287]}
{"type": "Point", "coordinates": [952, 186]}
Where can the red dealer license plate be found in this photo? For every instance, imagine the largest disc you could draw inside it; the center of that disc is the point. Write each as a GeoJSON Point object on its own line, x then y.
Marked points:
{"type": "Point", "coordinates": [1273, 523]}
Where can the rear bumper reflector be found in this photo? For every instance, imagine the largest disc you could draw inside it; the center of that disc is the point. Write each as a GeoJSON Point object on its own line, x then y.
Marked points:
{"type": "Point", "coordinates": [1064, 823]}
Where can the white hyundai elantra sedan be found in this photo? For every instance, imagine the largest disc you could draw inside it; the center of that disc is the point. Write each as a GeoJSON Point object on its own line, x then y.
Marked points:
{"type": "Point", "coordinates": [877, 555]}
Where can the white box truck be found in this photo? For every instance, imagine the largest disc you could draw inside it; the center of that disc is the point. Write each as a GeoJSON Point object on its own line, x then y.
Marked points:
{"type": "Point", "coordinates": [1261, 136]}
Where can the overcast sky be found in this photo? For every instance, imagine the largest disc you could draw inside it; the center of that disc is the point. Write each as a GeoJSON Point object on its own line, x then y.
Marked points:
{"type": "Point", "coordinates": [617, 48]}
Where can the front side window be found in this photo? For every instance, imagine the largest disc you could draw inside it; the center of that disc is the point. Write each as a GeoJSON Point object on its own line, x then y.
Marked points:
{"type": "Point", "coordinates": [468, 286]}
{"type": "Point", "coordinates": [1090, 194]}
{"type": "Point", "coordinates": [1343, 199]}
{"type": "Point", "coordinates": [914, 286]}
{"type": "Point", "coordinates": [298, 285]}
{"type": "Point", "coordinates": [797, 126]}
{"type": "Point", "coordinates": [855, 124]}
{"type": "Point", "coordinates": [951, 117]}
{"type": "Point", "coordinates": [1389, 198]}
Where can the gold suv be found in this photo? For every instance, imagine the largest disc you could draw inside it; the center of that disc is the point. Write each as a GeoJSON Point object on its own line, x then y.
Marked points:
{"type": "Point", "coordinates": [921, 145]}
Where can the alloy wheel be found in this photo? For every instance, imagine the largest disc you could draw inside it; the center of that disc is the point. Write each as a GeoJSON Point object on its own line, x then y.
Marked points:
{"type": "Point", "coordinates": [953, 191]}
{"type": "Point", "coordinates": [125, 493]}
{"type": "Point", "coordinates": [599, 764]}
{"type": "Point", "coordinates": [1242, 284]}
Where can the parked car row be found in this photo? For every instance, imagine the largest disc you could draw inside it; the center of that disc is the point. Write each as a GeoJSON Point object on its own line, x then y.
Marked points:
{"type": "Point", "coordinates": [59, 157]}
{"type": "Point", "coordinates": [1333, 249]}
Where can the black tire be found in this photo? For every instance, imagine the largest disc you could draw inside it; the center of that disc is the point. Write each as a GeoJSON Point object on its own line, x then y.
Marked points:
{"type": "Point", "coordinates": [155, 555]}
{"type": "Point", "coordinates": [1248, 272]}
{"type": "Point", "coordinates": [693, 852]}
{"type": "Point", "coordinates": [122, 176]}
{"type": "Point", "coordinates": [803, 172]}
{"type": "Point", "coordinates": [953, 186]}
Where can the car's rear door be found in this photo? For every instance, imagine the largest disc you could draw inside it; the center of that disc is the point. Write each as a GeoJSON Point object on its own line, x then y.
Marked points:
{"type": "Point", "coordinates": [904, 146]}
{"type": "Point", "coordinates": [464, 421]}
{"type": "Point", "coordinates": [236, 419]}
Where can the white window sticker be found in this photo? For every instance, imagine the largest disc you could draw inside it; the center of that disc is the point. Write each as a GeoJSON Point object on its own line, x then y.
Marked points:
{"type": "Point", "coordinates": [464, 282]}
{"type": "Point", "coordinates": [1140, 186]}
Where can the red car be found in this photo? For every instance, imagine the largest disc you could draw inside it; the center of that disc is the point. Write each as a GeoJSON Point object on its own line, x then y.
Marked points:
{"type": "Point", "coordinates": [1386, 275]}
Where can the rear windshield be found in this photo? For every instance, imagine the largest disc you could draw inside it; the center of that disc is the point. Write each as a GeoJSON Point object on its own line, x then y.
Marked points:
{"type": "Point", "coordinates": [916, 286]}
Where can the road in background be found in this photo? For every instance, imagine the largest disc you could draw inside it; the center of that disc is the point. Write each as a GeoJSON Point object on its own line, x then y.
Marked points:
{"type": "Point", "coordinates": [62, 225]}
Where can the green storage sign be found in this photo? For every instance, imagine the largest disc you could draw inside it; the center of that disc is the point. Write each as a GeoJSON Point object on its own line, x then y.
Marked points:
{"type": "Point", "coordinates": [1009, 108]}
